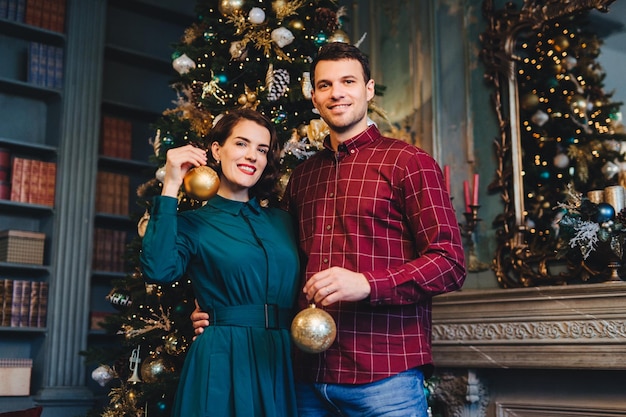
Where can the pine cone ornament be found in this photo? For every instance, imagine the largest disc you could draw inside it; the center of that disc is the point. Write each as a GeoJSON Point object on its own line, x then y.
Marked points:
{"type": "Point", "coordinates": [326, 19]}
{"type": "Point", "coordinates": [277, 82]}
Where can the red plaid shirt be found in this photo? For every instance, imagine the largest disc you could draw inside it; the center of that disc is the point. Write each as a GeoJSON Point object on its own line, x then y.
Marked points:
{"type": "Point", "coordinates": [378, 206]}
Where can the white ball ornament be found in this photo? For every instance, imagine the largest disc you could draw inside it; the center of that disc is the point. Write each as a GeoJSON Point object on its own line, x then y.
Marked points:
{"type": "Point", "coordinates": [102, 375]}
{"type": "Point", "coordinates": [570, 62]}
{"type": "Point", "coordinates": [256, 16]}
{"type": "Point", "coordinates": [160, 174]}
{"type": "Point", "coordinates": [561, 160]}
{"type": "Point", "coordinates": [540, 118]}
{"type": "Point", "coordinates": [183, 64]}
{"type": "Point", "coordinates": [282, 37]}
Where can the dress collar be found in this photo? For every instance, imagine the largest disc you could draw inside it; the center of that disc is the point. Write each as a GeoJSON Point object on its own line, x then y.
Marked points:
{"type": "Point", "coordinates": [234, 207]}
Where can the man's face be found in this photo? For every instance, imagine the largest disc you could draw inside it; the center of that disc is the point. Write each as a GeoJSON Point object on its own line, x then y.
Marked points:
{"type": "Point", "coordinates": [341, 96]}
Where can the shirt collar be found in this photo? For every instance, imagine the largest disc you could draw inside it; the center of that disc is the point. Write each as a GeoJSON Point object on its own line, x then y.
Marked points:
{"type": "Point", "coordinates": [361, 140]}
{"type": "Point", "coordinates": [234, 207]}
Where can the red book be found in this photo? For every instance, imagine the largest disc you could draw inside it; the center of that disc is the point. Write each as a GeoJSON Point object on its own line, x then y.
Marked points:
{"type": "Point", "coordinates": [105, 136]}
{"type": "Point", "coordinates": [60, 20]}
{"type": "Point", "coordinates": [34, 12]}
{"type": "Point", "coordinates": [5, 312]}
{"type": "Point", "coordinates": [17, 171]}
{"type": "Point", "coordinates": [7, 304]}
{"type": "Point", "coordinates": [34, 181]}
{"type": "Point", "coordinates": [49, 183]}
{"type": "Point", "coordinates": [116, 139]}
{"type": "Point", "coordinates": [128, 138]}
{"type": "Point", "coordinates": [46, 14]}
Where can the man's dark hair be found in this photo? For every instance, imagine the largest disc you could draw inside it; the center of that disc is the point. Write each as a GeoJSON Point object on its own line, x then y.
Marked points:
{"type": "Point", "coordinates": [335, 51]}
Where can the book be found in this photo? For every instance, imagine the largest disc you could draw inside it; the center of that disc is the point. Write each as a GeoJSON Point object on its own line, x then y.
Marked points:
{"type": "Point", "coordinates": [33, 63]}
{"type": "Point", "coordinates": [43, 64]}
{"type": "Point", "coordinates": [27, 180]}
{"type": "Point", "coordinates": [11, 9]}
{"type": "Point", "coordinates": [7, 303]}
{"type": "Point", "coordinates": [4, 6]}
{"type": "Point", "coordinates": [49, 183]}
{"type": "Point", "coordinates": [51, 52]}
{"type": "Point", "coordinates": [17, 172]}
{"type": "Point", "coordinates": [35, 300]}
{"type": "Point", "coordinates": [2, 291]}
{"type": "Point", "coordinates": [97, 318]}
{"type": "Point", "coordinates": [42, 310]}
{"type": "Point", "coordinates": [20, 10]}
{"type": "Point", "coordinates": [33, 12]}
{"type": "Point", "coordinates": [25, 303]}
{"type": "Point", "coordinates": [58, 67]}
{"type": "Point", "coordinates": [16, 303]}
{"type": "Point", "coordinates": [46, 14]}
{"type": "Point", "coordinates": [34, 179]}
{"type": "Point", "coordinates": [60, 16]}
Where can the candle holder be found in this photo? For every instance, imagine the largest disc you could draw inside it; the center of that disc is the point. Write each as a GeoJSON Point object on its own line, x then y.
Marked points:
{"type": "Point", "coordinates": [467, 230]}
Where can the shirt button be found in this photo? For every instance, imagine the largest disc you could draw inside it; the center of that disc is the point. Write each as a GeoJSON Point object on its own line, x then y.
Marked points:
{"type": "Point", "coordinates": [328, 227]}
{"type": "Point", "coordinates": [325, 260]}
{"type": "Point", "coordinates": [331, 194]}
{"type": "Point", "coordinates": [351, 150]}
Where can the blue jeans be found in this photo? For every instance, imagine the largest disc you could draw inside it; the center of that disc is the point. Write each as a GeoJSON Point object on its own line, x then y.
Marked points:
{"type": "Point", "coordinates": [401, 395]}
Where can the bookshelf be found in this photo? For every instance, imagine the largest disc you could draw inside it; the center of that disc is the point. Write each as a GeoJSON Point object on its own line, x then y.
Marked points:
{"type": "Point", "coordinates": [136, 75]}
{"type": "Point", "coordinates": [115, 63]}
{"type": "Point", "coordinates": [30, 130]}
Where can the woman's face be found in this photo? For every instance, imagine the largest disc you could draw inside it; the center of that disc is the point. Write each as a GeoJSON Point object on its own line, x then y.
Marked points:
{"type": "Point", "coordinates": [242, 158]}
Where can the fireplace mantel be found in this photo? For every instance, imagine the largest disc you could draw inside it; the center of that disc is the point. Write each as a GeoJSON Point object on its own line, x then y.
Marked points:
{"type": "Point", "coordinates": [550, 327]}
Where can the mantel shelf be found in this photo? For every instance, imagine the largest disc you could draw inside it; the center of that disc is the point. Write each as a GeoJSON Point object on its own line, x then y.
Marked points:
{"type": "Point", "coordinates": [560, 327]}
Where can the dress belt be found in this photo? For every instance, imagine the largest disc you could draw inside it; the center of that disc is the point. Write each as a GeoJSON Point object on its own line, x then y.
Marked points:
{"type": "Point", "coordinates": [268, 316]}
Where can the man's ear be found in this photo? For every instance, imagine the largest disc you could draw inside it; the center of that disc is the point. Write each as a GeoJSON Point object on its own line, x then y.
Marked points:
{"type": "Point", "coordinates": [370, 89]}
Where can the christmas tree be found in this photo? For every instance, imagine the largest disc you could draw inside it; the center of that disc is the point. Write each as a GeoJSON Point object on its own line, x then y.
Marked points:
{"type": "Point", "coordinates": [239, 53]}
{"type": "Point", "coordinates": [570, 129]}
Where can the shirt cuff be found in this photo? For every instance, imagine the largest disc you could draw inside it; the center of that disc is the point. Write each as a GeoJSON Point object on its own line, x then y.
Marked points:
{"type": "Point", "coordinates": [164, 204]}
{"type": "Point", "coordinates": [382, 291]}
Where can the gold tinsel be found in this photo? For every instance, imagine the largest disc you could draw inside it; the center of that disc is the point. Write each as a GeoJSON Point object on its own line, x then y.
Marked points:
{"type": "Point", "coordinates": [200, 120]}
{"type": "Point", "coordinates": [285, 9]}
{"type": "Point", "coordinates": [258, 35]}
{"type": "Point", "coordinates": [153, 322]}
{"type": "Point", "coordinates": [192, 33]}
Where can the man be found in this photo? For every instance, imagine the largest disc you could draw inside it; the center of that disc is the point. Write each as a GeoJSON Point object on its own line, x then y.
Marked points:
{"type": "Point", "coordinates": [379, 238]}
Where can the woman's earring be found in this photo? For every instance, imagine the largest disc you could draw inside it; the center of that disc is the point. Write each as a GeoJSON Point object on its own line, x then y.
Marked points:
{"type": "Point", "coordinates": [218, 162]}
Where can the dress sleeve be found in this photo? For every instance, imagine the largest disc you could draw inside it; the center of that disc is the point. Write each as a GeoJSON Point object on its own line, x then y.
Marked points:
{"type": "Point", "coordinates": [165, 253]}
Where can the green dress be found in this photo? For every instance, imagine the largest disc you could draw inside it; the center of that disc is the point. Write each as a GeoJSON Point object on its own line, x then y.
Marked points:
{"type": "Point", "coordinates": [243, 264]}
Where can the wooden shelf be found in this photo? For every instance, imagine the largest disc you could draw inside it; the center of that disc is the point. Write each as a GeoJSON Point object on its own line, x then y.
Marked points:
{"type": "Point", "coordinates": [31, 33]}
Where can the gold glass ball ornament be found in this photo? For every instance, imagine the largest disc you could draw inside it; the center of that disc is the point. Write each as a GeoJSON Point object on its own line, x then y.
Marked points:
{"type": "Point", "coordinates": [201, 183]}
{"type": "Point", "coordinates": [313, 330]}
{"type": "Point", "coordinates": [230, 7]}
{"type": "Point", "coordinates": [339, 36]}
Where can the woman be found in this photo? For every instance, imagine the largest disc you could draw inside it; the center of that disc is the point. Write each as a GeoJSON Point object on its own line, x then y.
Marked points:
{"type": "Point", "coordinates": [240, 252]}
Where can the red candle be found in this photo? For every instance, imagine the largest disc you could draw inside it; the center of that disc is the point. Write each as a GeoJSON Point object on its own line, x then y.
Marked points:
{"type": "Point", "coordinates": [475, 189]}
{"type": "Point", "coordinates": [466, 192]}
{"type": "Point", "coordinates": [446, 177]}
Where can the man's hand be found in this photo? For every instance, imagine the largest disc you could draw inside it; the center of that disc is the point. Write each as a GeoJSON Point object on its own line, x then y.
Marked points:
{"type": "Point", "coordinates": [336, 284]}
{"type": "Point", "coordinates": [199, 319]}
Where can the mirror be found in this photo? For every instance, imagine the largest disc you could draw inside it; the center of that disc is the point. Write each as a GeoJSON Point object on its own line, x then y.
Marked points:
{"type": "Point", "coordinates": [551, 128]}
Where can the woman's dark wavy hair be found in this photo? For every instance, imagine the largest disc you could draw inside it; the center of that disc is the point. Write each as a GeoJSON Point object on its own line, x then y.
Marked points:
{"type": "Point", "coordinates": [267, 187]}
{"type": "Point", "coordinates": [336, 51]}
